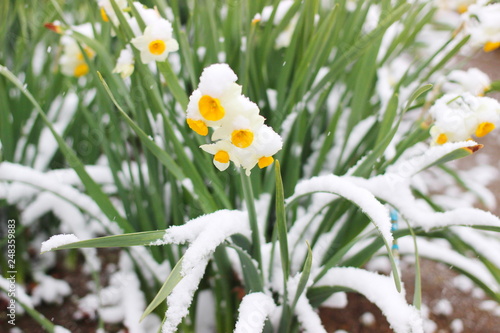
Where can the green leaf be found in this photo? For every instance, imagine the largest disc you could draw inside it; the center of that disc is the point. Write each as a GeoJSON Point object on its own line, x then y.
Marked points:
{"type": "Point", "coordinates": [251, 276]}
{"type": "Point", "coordinates": [304, 278]}
{"type": "Point", "coordinates": [173, 279]}
{"type": "Point", "coordinates": [132, 239]}
{"type": "Point", "coordinates": [173, 83]}
{"type": "Point", "coordinates": [206, 200]}
{"type": "Point", "coordinates": [281, 224]}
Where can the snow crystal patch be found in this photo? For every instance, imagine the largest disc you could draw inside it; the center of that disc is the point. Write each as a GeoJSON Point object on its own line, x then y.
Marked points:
{"type": "Point", "coordinates": [488, 305]}
{"type": "Point", "coordinates": [367, 319]}
{"type": "Point", "coordinates": [443, 307]}
{"type": "Point", "coordinates": [49, 290]}
{"type": "Point", "coordinates": [463, 283]}
{"type": "Point", "coordinates": [457, 326]}
{"type": "Point", "coordinates": [60, 329]}
{"type": "Point", "coordinates": [57, 241]}
{"type": "Point", "coordinates": [336, 301]}
{"type": "Point", "coordinates": [205, 312]}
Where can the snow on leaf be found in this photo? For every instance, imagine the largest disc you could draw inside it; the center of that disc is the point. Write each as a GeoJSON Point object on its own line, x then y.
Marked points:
{"type": "Point", "coordinates": [436, 252]}
{"type": "Point", "coordinates": [399, 195]}
{"type": "Point", "coordinates": [253, 311]}
{"type": "Point", "coordinates": [58, 240]}
{"type": "Point", "coordinates": [380, 290]}
{"type": "Point", "coordinates": [204, 234]}
{"type": "Point", "coordinates": [347, 189]}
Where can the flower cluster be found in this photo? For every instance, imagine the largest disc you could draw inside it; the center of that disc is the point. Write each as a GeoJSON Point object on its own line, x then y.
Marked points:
{"type": "Point", "coordinates": [238, 129]}
{"type": "Point", "coordinates": [72, 60]}
{"type": "Point", "coordinates": [458, 117]}
{"type": "Point", "coordinates": [154, 43]}
{"type": "Point", "coordinates": [483, 24]}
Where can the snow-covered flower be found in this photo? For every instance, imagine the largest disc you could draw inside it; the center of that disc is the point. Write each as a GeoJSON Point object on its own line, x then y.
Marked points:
{"type": "Point", "coordinates": [473, 81]}
{"type": "Point", "coordinates": [459, 6]}
{"type": "Point", "coordinates": [239, 132]}
{"type": "Point", "coordinates": [107, 12]}
{"type": "Point", "coordinates": [125, 63]}
{"type": "Point", "coordinates": [216, 96]}
{"type": "Point", "coordinates": [156, 42]}
{"type": "Point", "coordinates": [458, 117]}
{"type": "Point", "coordinates": [73, 61]}
{"type": "Point", "coordinates": [483, 24]}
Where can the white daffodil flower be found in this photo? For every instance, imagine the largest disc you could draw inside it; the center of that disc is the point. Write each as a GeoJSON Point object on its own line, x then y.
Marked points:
{"type": "Point", "coordinates": [458, 117]}
{"type": "Point", "coordinates": [239, 132]}
{"type": "Point", "coordinates": [216, 97]}
{"type": "Point", "coordinates": [107, 12]}
{"type": "Point", "coordinates": [223, 152]}
{"type": "Point", "coordinates": [72, 60]}
{"type": "Point", "coordinates": [156, 42]}
{"type": "Point", "coordinates": [482, 23]}
{"type": "Point", "coordinates": [472, 81]}
{"type": "Point", "coordinates": [266, 143]}
{"type": "Point", "coordinates": [125, 63]}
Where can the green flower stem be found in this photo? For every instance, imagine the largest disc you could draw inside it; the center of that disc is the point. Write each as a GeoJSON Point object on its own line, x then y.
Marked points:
{"type": "Point", "coordinates": [252, 217]}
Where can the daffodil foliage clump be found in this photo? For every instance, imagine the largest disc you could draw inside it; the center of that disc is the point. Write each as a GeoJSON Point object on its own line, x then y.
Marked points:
{"type": "Point", "coordinates": [254, 159]}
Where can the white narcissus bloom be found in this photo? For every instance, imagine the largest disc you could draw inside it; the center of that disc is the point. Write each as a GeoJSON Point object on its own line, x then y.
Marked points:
{"type": "Point", "coordinates": [239, 132]}
{"type": "Point", "coordinates": [125, 63]}
{"type": "Point", "coordinates": [459, 6]}
{"type": "Point", "coordinates": [216, 97]}
{"type": "Point", "coordinates": [266, 143]}
{"type": "Point", "coordinates": [156, 42]}
{"type": "Point", "coordinates": [483, 24]}
{"type": "Point", "coordinates": [107, 12]}
{"type": "Point", "coordinates": [223, 152]}
{"type": "Point", "coordinates": [472, 81]}
{"type": "Point", "coordinates": [72, 61]}
{"type": "Point", "coordinates": [458, 117]}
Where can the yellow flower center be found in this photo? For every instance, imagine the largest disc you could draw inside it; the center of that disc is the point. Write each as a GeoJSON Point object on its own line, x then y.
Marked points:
{"type": "Point", "coordinates": [491, 46]}
{"type": "Point", "coordinates": [198, 126]}
{"type": "Point", "coordinates": [265, 161]}
{"type": "Point", "coordinates": [81, 70]}
{"type": "Point", "coordinates": [462, 8]}
{"type": "Point", "coordinates": [222, 156]}
{"type": "Point", "coordinates": [242, 138]}
{"type": "Point", "coordinates": [210, 108]}
{"type": "Point", "coordinates": [157, 47]}
{"type": "Point", "coordinates": [104, 16]}
{"type": "Point", "coordinates": [442, 139]}
{"type": "Point", "coordinates": [88, 51]}
{"type": "Point", "coordinates": [484, 128]}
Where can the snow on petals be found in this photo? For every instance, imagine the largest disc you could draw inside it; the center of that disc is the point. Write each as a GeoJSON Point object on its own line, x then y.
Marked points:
{"type": "Point", "coordinates": [156, 42]}
{"type": "Point", "coordinates": [459, 116]}
{"type": "Point", "coordinates": [481, 22]}
{"type": "Point", "coordinates": [238, 129]}
{"type": "Point", "coordinates": [253, 311]}
{"type": "Point", "coordinates": [57, 241]}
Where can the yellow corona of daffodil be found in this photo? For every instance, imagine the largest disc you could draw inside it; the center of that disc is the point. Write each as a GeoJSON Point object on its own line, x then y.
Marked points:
{"type": "Point", "coordinates": [238, 130]}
